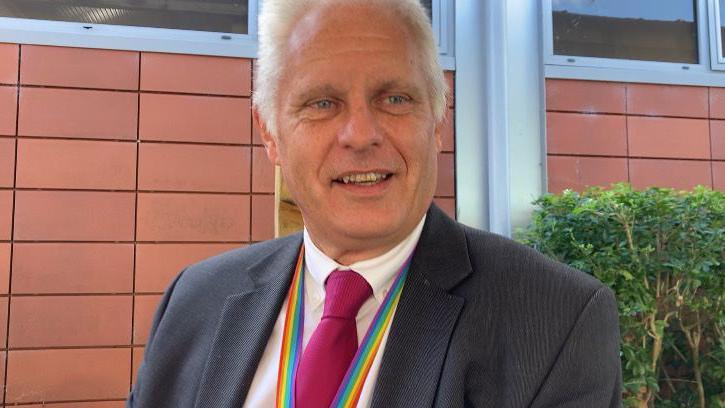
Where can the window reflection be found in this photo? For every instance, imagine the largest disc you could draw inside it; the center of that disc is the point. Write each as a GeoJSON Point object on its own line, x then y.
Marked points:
{"type": "Point", "coordinates": [227, 16]}
{"type": "Point", "coordinates": [651, 30]}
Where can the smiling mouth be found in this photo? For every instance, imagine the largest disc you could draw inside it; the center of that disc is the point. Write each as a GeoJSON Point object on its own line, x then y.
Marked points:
{"type": "Point", "coordinates": [363, 179]}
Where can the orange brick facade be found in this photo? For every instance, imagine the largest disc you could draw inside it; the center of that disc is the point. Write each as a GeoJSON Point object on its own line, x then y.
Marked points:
{"type": "Point", "coordinates": [117, 169]}
{"type": "Point", "coordinates": [599, 133]}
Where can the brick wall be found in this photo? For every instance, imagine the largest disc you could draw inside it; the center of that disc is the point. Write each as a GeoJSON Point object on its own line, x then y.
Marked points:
{"type": "Point", "coordinates": [650, 135]}
{"type": "Point", "coordinates": [116, 170]}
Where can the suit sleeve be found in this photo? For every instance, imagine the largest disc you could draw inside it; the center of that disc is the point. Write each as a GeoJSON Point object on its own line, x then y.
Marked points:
{"type": "Point", "coordinates": [587, 371]}
{"type": "Point", "coordinates": [148, 354]}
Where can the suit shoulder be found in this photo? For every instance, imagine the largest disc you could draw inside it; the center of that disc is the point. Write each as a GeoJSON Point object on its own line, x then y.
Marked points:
{"type": "Point", "coordinates": [524, 267]}
{"type": "Point", "coordinates": [229, 271]}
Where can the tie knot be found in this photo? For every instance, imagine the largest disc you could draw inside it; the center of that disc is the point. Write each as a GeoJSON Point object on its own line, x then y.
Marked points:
{"type": "Point", "coordinates": [345, 293]}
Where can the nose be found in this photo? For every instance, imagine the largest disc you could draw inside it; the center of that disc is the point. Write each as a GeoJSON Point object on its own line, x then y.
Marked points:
{"type": "Point", "coordinates": [361, 129]}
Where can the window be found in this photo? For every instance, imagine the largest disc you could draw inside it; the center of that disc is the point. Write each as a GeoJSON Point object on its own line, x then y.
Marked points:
{"type": "Point", "coordinates": [206, 27]}
{"type": "Point", "coordinates": [649, 30]}
{"type": "Point", "coordinates": [655, 41]}
{"type": "Point", "coordinates": [224, 16]}
{"type": "Point", "coordinates": [717, 20]}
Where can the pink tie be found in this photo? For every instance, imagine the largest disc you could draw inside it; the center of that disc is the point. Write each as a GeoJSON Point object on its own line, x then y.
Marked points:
{"type": "Point", "coordinates": [334, 343]}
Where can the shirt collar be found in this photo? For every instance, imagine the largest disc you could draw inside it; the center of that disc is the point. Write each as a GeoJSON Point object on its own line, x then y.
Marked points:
{"type": "Point", "coordinates": [379, 272]}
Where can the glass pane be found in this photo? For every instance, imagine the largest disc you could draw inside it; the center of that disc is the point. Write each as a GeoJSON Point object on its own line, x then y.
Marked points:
{"type": "Point", "coordinates": [226, 16]}
{"type": "Point", "coordinates": [650, 30]}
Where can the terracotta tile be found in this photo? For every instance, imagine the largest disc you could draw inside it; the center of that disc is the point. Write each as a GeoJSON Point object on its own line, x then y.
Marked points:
{"type": "Point", "coordinates": [94, 404]}
{"type": "Point", "coordinates": [4, 267]}
{"type": "Point", "coordinates": [667, 100]}
{"type": "Point", "coordinates": [56, 321]}
{"type": "Point", "coordinates": [668, 137]}
{"type": "Point", "coordinates": [446, 175]}
{"type": "Point", "coordinates": [262, 171]}
{"type": "Point", "coordinates": [577, 173]}
{"type": "Point", "coordinates": [79, 67]}
{"type": "Point", "coordinates": [74, 216]}
{"type": "Point", "coordinates": [192, 217]}
{"type": "Point", "coordinates": [80, 164]}
{"type": "Point", "coordinates": [262, 217]}
{"type": "Point", "coordinates": [4, 321]}
{"type": "Point", "coordinates": [7, 162]}
{"type": "Point", "coordinates": [584, 96]}
{"type": "Point", "coordinates": [451, 80]}
{"type": "Point", "coordinates": [9, 54]}
{"type": "Point", "coordinates": [717, 139]}
{"type": "Point", "coordinates": [68, 375]}
{"type": "Point", "coordinates": [206, 119]}
{"type": "Point", "coordinates": [195, 74]}
{"type": "Point", "coordinates": [448, 205]}
{"type": "Point", "coordinates": [8, 110]}
{"type": "Point", "coordinates": [6, 214]}
{"type": "Point", "coordinates": [77, 113]}
{"type": "Point", "coordinates": [137, 360]}
{"type": "Point", "coordinates": [143, 315]}
{"type": "Point", "coordinates": [576, 133]}
{"type": "Point", "coordinates": [677, 174]}
{"type": "Point", "coordinates": [448, 132]}
{"type": "Point", "coordinates": [718, 176]}
{"type": "Point", "coordinates": [158, 264]}
{"type": "Point", "coordinates": [717, 103]}
{"type": "Point", "coordinates": [72, 268]}
{"type": "Point", "coordinates": [175, 167]}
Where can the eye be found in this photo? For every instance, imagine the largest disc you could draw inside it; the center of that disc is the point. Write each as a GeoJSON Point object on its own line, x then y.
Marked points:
{"type": "Point", "coordinates": [322, 104]}
{"type": "Point", "coordinates": [396, 104]}
{"type": "Point", "coordinates": [397, 99]}
{"type": "Point", "coordinates": [318, 109]}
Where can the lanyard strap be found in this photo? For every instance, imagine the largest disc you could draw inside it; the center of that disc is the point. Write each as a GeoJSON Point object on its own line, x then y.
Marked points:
{"type": "Point", "coordinates": [349, 392]}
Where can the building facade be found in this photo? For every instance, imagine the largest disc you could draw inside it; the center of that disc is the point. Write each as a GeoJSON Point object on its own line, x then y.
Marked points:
{"type": "Point", "coordinates": [127, 151]}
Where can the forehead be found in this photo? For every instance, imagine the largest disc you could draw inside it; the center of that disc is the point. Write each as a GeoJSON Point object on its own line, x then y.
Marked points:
{"type": "Point", "coordinates": [350, 37]}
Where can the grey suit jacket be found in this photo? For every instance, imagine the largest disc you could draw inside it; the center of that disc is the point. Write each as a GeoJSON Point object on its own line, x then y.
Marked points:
{"type": "Point", "coordinates": [482, 322]}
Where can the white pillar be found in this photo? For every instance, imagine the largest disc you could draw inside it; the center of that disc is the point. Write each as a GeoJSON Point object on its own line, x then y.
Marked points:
{"type": "Point", "coordinates": [499, 112]}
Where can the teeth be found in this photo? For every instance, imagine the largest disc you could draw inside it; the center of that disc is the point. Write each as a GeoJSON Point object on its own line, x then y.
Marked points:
{"type": "Point", "coordinates": [364, 178]}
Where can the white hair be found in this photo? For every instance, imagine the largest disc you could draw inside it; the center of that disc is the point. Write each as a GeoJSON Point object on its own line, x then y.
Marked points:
{"type": "Point", "coordinates": [276, 21]}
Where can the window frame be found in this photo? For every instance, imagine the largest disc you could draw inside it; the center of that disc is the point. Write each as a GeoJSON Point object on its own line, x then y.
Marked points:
{"type": "Point", "coordinates": [165, 40]}
{"type": "Point", "coordinates": [610, 69]}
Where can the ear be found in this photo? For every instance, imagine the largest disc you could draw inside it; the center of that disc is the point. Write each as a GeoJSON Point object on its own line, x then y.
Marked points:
{"type": "Point", "coordinates": [269, 141]}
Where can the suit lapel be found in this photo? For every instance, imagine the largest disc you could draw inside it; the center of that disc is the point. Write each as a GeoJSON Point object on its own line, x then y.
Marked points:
{"type": "Point", "coordinates": [425, 317]}
{"type": "Point", "coordinates": [246, 323]}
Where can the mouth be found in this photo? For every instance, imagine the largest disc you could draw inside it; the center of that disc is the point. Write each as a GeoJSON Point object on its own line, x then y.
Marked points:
{"type": "Point", "coordinates": [369, 178]}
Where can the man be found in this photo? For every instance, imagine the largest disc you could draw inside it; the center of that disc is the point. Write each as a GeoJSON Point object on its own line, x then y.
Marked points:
{"type": "Point", "coordinates": [350, 100]}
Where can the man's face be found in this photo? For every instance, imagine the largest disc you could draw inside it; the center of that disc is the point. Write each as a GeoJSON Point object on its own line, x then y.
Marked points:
{"type": "Point", "coordinates": [357, 141]}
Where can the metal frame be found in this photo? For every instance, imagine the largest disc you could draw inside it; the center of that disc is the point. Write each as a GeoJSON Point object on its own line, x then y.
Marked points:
{"type": "Point", "coordinates": [607, 69]}
{"type": "Point", "coordinates": [472, 171]}
{"type": "Point", "coordinates": [117, 37]}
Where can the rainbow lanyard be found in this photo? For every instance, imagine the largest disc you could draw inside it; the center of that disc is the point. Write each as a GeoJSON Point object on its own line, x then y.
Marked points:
{"type": "Point", "coordinates": [349, 392]}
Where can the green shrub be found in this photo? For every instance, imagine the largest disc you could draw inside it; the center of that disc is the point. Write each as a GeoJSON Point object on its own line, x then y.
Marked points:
{"type": "Point", "coordinates": [662, 252]}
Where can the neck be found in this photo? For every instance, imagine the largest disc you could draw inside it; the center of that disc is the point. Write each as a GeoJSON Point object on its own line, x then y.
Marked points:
{"type": "Point", "coordinates": [349, 251]}
{"type": "Point", "coordinates": [350, 255]}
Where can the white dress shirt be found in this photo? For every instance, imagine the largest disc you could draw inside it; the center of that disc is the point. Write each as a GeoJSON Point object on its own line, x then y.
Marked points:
{"type": "Point", "coordinates": [379, 272]}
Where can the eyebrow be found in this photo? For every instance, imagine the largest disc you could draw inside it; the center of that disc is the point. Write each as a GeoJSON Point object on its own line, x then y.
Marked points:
{"type": "Point", "coordinates": [399, 84]}
{"type": "Point", "coordinates": [332, 91]}
{"type": "Point", "coordinates": [317, 91]}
